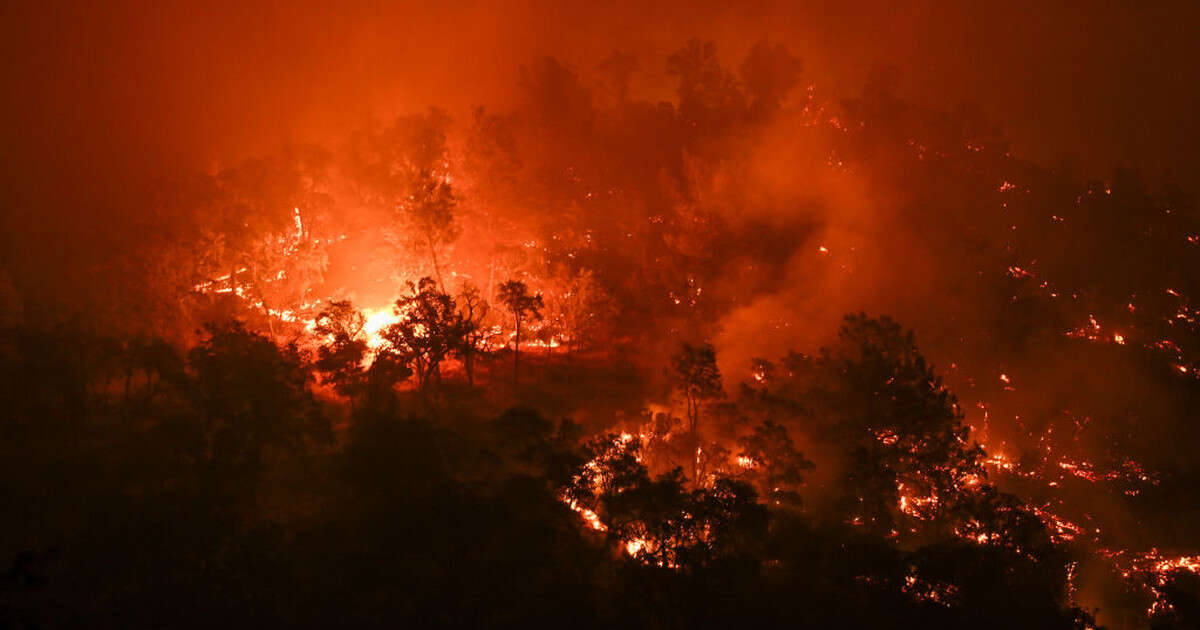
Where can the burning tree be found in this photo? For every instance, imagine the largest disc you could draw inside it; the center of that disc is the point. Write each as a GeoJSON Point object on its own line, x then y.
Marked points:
{"type": "Point", "coordinates": [773, 465]}
{"type": "Point", "coordinates": [255, 232]}
{"type": "Point", "coordinates": [876, 400]}
{"type": "Point", "coordinates": [659, 521]}
{"type": "Point", "coordinates": [582, 310]}
{"type": "Point", "coordinates": [429, 212]}
{"type": "Point", "coordinates": [404, 171]}
{"type": "Point", "coordinates": [908, 434]}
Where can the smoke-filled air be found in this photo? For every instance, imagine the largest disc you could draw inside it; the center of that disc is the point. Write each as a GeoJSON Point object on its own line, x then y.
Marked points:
{"type": "Point", "coordinates": [538, 314]}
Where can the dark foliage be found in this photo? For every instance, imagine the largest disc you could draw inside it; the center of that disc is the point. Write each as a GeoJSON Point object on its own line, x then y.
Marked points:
{"type": "Point", "coordinates": [209, 491]}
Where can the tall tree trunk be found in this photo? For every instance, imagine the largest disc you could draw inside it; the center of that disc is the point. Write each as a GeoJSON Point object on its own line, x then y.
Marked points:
{"type": "Point", "coordinates": [694, 421]}
{"type": "Point", "coordinates": [437, 269]}
{"type": "Point", "coordinates": [517, 354]}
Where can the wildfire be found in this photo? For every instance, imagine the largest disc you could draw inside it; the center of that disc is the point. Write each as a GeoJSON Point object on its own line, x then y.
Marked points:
{"type": "Point", "coordinates": [929, 591]}
{"type": "Point", "coordinates": [1046, 467]}
{"type": "Point", "coordinates": [593, 474]}
{"type": "Point", "coordinates": [1153, 571]}
{"type": "Point", "coordinates": [589, 517]}
{"type": "Point", "coordinates": [1061, 529]}
{"type": "Point", "coordinates": [375, 321]}
{"type": "Point", "coordinates": [918, 507]}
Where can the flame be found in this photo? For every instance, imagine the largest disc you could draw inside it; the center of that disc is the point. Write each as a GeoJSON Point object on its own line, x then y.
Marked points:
{"type": "Point", "coordinates": [1051, 469]}
{"type": "Point", "coordinates": [589, 517]}
{"type": "Point", "coordinates": [376, 321]}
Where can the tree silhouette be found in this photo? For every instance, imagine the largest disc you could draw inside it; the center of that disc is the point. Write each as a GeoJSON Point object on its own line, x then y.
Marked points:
{"type": "Point", "coordinates": [157, 360]}
{"type": "Point", "coordinates": [658, 520]}
{"type": "Point", "coordinates": [403, 170]}
{"type": "Point", "coordinates": [472, 310]}
{"type": "Point", "coordinates": [582, 310]}
{"type": "Point", "coordinates": [430, 211]}
{"type": "Point", "coordinates": [909, 431]}
{"type": "Point", "coordinates": [695, 374]}
{"type": "Point", "coordinates": [708, 93]}
{"type": "Point", "coordinates": [773, 465]}
{"type": "Point", "coordinates": [388, 367]}
{"type": "Point", "coordinates": [875, 399]}
{"type": "Point", "coordinates": [428, 330]}
{"type": "Point", "coordinates": [514, 294]}
{"type": "Point", "coordinates": [768, 74]}
{"type": "Point", "coordinates": [254, 396]}
{"type": "Point", "coordinates": [341, 357]}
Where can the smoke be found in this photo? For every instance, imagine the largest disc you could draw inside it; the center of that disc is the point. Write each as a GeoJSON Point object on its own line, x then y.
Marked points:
{"type": "Point", "coordinates": [221, 80]}
{"type": "Point", "coordinates": [107, 101]}
{"type": "Point", "coordinates": [783, 223]}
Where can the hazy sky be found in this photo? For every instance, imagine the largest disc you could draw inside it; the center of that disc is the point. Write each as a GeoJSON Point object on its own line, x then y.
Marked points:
{"type": "Point", "coordinates": [95, 90]}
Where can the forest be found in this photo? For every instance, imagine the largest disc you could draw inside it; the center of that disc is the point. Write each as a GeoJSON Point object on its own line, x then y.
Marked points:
{"type": "Point", "coordinates": [748, 354]}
